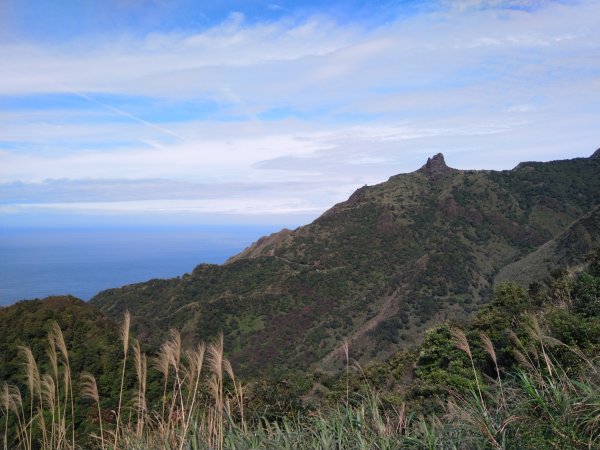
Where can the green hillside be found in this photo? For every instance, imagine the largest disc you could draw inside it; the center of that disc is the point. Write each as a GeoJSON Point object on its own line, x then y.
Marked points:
{"type": "Point", "coordinates": [29, 322]}
{"type": "Point", "coordinates": [91, 340]}
{"type": "Point", "coordinates": [378, 269]}
{"type": "Point", "coordinates": [565, 250]}
{"type": "Point", "coordinates": [530, 354]}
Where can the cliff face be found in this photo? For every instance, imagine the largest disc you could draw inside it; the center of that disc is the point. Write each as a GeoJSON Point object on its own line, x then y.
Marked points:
{"type": "Point", "coordinates": [377, 269]}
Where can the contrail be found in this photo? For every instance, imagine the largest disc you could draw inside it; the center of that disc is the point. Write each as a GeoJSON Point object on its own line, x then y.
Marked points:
{"type": "Point", "coordinates": [124, 113]}
{"type": "Point", "coordinates": [98, 102]}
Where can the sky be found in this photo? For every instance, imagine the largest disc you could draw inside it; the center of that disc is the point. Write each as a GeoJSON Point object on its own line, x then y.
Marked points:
{"type": "Point", "coordinates": [156, 111]}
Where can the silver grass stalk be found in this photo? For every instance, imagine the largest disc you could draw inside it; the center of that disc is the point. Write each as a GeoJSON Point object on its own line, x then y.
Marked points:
{"type": "Point", "coordinates": [48, 387]}
{"type": "Point", "coordinates": [462, 343]}
{"type": "Point", "coordinates": [535, 331]}
{"type": "Point", "coordinates": [125, 338]}
{"type": "Point", "coordinates": [215, 359]}
{"type": "Point", "coordinates": [89, 389]}
{"type": "Point", "coordinates": [59, 340]}
{"type": "Point", "coordinates": [346, 348]}
{"type": "Point", "coordinates": [140, 370]}
{"type": "Point", "coordinates": [5, 407]}
{"type": "Point", "coordinates": [237, 385]}
{"type": "Point", "coordinates": [53, 357]}
{"type": "Point", "coordinates": [195, 361]}
{"type": "Point", "coordinates": [162, 364]}
{"type": "Point", "coordinates": [33, 383]}
{"type": "Point", "coordinates": [488, 346]}
{"type": "Point", "coordinates": [174, 354]}
{"type": "Point", "coordinates": [16, 403]}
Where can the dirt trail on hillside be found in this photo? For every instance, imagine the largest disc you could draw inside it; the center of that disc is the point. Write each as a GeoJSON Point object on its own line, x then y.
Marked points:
{"type": "Point", "coordinates": [388, 308]}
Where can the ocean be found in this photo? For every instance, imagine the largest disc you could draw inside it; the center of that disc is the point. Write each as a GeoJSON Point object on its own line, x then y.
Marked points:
{"type": "Point", "coordinates": [35, 263]}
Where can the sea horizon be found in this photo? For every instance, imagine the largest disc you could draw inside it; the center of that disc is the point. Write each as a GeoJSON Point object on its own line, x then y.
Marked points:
{"type": "Point", "coordinates": [82, 261]}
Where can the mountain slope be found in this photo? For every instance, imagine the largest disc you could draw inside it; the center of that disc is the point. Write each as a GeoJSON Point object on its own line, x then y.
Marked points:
{"type": "Point", "coordinates": [565, 250]}
{"type": "Point", "coordinates": [377, 269]}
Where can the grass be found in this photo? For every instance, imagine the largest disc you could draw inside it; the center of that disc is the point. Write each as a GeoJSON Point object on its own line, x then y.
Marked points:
{"type": "Point", "coordinates": [203, 405]}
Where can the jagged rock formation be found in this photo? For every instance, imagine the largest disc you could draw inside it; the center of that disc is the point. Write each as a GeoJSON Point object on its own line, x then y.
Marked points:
{"type": "Point", "coordinates": [435, 167]}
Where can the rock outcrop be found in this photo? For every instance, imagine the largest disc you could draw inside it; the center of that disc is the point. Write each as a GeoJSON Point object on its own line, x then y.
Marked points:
{"type": "Point", "coordinates": [435, 167]}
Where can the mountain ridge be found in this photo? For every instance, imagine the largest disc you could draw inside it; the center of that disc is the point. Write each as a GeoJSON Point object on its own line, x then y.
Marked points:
{"type": "Point", "coordinates": [377, 269]}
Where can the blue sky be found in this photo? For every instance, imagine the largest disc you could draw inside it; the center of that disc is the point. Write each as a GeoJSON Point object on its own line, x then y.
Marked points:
{"type": "Point", "coordinates": [61, 20]}
{"type": "Point", "coordinates": [252, 111]}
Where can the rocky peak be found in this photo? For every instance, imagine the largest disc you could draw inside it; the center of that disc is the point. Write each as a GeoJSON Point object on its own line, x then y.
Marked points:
{"type": "Point", "coordinates": [596, 154]}
{"type": "Point", "coordinates": [435, 166]}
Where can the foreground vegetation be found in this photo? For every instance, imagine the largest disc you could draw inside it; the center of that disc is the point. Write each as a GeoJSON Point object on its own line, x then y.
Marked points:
{"type": "Point", "coordinates": [523, 373]}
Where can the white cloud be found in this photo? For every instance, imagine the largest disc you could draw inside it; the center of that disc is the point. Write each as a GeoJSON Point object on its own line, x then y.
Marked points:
{"type": "Point", "coordinates": [348, 104]}
{"type": "Point", "coordinates": [246, 206]}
